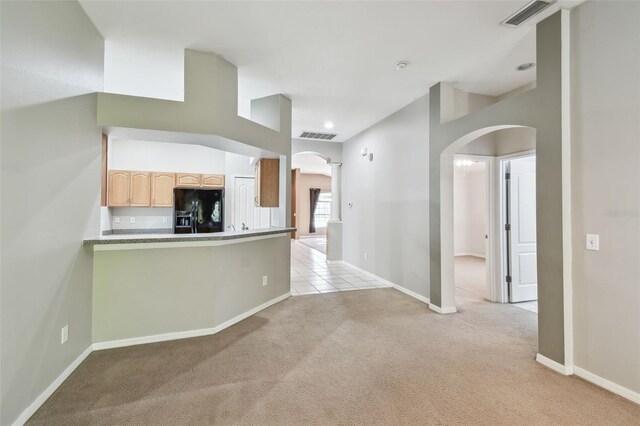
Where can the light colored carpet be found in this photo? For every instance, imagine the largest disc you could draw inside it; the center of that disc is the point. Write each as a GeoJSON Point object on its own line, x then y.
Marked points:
{"type": "Point", "coordinates": [359, 357]}
{"type": "Point", "coordinates": [470, 277]}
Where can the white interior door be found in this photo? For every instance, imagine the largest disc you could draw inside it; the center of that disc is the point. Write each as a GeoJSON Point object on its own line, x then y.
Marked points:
{"type": "Point", "coordinates": [522, 234]}
{"type": "Point", "coordinates": [244, 210]}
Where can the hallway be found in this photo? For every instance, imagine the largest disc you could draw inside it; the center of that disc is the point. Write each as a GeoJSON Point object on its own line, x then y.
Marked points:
{"type": "Point", "coordinates": [310, 274]}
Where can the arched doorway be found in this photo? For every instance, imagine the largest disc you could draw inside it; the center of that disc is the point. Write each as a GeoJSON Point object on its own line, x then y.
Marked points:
{"type": "Point", "coordinates": [446, 212]}
{"type": "Point", "coordinates": [493, 218]}
{"type": "Point", "coordinates": [311, 198]}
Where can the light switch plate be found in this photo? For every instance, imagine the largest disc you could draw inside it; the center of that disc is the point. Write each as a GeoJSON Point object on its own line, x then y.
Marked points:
{"type": "Point", "coordinates": [133, 220]}
{"type": "Point", "coordinates": [116, 219]}
{"type": "Point", "coordinates": [593, 242]}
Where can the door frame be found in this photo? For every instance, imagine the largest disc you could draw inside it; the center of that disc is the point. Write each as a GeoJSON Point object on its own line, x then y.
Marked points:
{"type": "Point", "coordinates": [501, 287]}
{"type": "Point", "coordinates": [492, 262]}
{"type": "Point", "coordinates": [496, 269]}
{"type": "Point", "coordinates": [234, 195]}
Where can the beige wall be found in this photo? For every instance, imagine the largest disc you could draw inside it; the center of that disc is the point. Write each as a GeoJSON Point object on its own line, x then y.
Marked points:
{"type": "Point", "coordinates": [470, 204]}
{"type": "Point", "coordinates": [502, 142]}
{"type": "Point", "coordinates": [140, 293]}
{"type": "Point", "coordinates": [389, 216]}
{"type": "Point", "coordinates": [605, 72]}
{"type": "Point", "coordinates": [539, 108]}
{"type": "Point", "coordinates": [305, 182]}
{"type": "Point", "coordinates": [330, 150]}
{"type": "Point", "coordinates": [52, 60]}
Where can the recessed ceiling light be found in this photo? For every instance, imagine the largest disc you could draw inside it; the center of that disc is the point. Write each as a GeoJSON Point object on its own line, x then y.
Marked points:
{"type": "Point", "coordinates": [328, 125]}
{"type": "Point", "coordinates": [401, 65]}
{"type": "Point", "coordinates": [527, 66]}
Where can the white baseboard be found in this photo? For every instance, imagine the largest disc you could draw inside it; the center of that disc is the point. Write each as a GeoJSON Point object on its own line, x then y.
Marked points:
{"type": "Point", "coordinates": [186, 334]}
{"type": "Point", "coordinates": [555, 366]}
{"type": "Point", "coordinates": [607, 384]}
{"type": "Point", "coordinates": [445, 310]}
{"type": "Point", "coordinates": [470, 254]}
{"type": "Point", "coordinates": [411, 293]}
{"type": "Point", "coordinates": [387, 282]}
{"type": "Point", "coordinates": [31, 409]}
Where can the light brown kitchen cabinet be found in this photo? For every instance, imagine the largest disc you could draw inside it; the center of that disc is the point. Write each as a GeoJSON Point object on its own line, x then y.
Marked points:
{"type": "Point", "coordinates": [153, 189]}
{"type": "Point", "coordinates": [162, 185]}
{"type": "Point", "coordinates": [127, 188]}
{"type": "Point", "coordinates": [212, 181]}
{"type": "Point", "coordinates": [119, 183]}
{"type": "Point", "coordinates": [140, 194]}
{"type": "Point", "coordinates": [188, 180]}
{"type": "Point", "coordinates": [267, 183]}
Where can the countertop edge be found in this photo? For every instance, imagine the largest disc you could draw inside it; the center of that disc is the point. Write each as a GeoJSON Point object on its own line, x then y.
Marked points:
{"type": "Point", "coordinates": [173, 238]}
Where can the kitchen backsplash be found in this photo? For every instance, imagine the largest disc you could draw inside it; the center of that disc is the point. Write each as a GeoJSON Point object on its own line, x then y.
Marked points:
{"type": "Point", "coordinates": [123, 218]}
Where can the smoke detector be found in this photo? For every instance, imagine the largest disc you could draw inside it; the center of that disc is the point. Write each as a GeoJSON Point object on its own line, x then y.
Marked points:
{"type": "Point", "coordinates": [401, 65]}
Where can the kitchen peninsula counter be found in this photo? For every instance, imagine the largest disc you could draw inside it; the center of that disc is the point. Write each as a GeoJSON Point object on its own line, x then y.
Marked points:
{"type": "Point", "coordinates": [139, 241]}
{"type": "Point", "coordinates": [154, 287]}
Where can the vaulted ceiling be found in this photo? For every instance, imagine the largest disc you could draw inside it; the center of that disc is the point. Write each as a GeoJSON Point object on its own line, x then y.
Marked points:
{"type": "Point", "coordinates": [336, 60]}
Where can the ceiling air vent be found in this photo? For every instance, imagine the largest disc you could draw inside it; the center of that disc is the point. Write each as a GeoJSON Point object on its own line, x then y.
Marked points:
{"type": "Point", "coordinates": [318, 135]}
{"type": "Point", "coordinates": [527, 12]}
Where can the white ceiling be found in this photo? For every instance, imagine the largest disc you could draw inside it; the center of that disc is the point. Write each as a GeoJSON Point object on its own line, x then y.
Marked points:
{"type": "Point", "coordinates": [335, 60]}
{"type": "Point", "coordinates": [310, 163]}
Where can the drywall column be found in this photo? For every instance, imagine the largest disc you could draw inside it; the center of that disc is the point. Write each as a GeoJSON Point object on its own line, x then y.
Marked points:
{"type": "Point", "coordinates": [52, 64]}
{"type": "Point", "coordinates": [540, 109]}
{"type": "Point", "coordinates": [335, 191]}
{"type": "Point", "coordinates": [334, 227]}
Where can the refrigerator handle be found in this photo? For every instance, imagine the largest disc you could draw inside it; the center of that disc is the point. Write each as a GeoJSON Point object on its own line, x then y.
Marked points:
{"type": "Point", "coordinates": [193, 217]}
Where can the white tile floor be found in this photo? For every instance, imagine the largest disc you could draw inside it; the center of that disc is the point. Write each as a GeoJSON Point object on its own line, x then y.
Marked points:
{"type": "Point", "coordinates": [310, 274]}
{"type": "Point", "coordinates": [318, 242]}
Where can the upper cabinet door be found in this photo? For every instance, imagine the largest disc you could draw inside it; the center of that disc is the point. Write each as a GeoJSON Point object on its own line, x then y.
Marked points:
{"type": "Point", "coordinates": [267, 183]}
{"type": "Point", "coordinates": [162, 185]}
{"type": "Point", "coordinates": [188, 180]}
{"type": "Point", "coordinates": [119, 182]}
{"type": "Point", "coordinates": [140, 194]}
{"type": "Point", "coordinates": [212, 181]}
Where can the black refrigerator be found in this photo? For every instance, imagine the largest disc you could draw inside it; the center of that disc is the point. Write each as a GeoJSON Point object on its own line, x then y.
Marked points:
{"type": "Point", "coordinates": [198, 211]}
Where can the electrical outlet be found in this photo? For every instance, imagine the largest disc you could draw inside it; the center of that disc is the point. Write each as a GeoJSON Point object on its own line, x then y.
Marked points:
{"type": "Point", "coordinates": [64, 335]}
{"type": "Point", "coordinates": [164, 219]}
{"type": "Point", "coordinates": [116, 219]}
{"type": "Point", "coordinates": [365, 256]}
{"type": "Point", "coordinates": [133, 220]}
{"type": "Point", "coordinates": [265, 280]}
{"type": "Point", "coordinates": [593, 242]}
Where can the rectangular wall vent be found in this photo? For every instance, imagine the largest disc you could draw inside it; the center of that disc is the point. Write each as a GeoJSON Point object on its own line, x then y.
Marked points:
{"type": "Point", "coordinates": [318, 135]}
{"type": "Point", "coordinates": [527, 12]}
